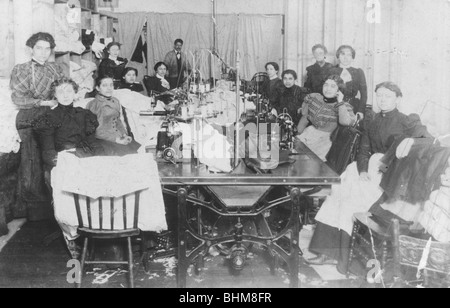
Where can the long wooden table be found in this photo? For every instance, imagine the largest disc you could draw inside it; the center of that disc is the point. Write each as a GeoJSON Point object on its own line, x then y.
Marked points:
{"type": "Point", "coordinates": [307, 172]}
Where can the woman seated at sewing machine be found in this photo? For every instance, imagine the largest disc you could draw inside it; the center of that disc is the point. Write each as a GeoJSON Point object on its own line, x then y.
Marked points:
{"type": "Point", "coordinates": [129, 80]}
{"type": "Point", "coordinates": [271, 87]}
{"type": "Point", "coordinates": [324, 112]}
{"type": "Point", "coordinates": [158, 84]}
{"type": "Point", "coordinates": [290, 98]}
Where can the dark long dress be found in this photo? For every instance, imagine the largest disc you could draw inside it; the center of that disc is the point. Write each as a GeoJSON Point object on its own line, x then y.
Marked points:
{"type": "Point", "coordinates": [383, 135]}
{"type": "Point", "coordinates": [109, 67]}
{"type": "Point", "coordinates": [357, 85]}
{"type": "Point", "coordinates": [316, 76]}
{"type": "Point", "coordinates": [65, 128]}
{"type": "Point", "coordinates": [291, 100]}
{"type": "Point", "coordinates": [135, 87]}
{"type": "Point", "coordinates": [272, 89]}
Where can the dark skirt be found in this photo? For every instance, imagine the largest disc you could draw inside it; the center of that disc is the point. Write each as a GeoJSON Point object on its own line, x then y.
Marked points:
{"type": "Point", "coordinates": [34, 199]}
{"type": "Point", "coordinates": [335, 244]}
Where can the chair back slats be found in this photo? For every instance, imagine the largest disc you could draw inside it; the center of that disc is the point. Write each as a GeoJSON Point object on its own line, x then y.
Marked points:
{"type": "Point", "coordinates": [77, 206]}
{"type": "Point", "coordinates": [136, 209]}
{"type": "Point", "coordinates": [91, 209]}
{"type": "Point", "coordinates": [89, 212]}
{"type": "Point", "coordinates": [125, 212]}
{"type": "Point", "coordinates": [112, 214]}
{"type": "Point", "coordinates": [100, 213]}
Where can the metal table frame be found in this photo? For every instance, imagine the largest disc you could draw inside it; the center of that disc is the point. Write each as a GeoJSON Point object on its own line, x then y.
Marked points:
{"type": "Point", "coordinates": [293, 177]}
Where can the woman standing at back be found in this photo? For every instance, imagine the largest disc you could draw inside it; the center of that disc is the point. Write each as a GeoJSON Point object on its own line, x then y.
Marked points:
{"type": "Point", "coordinates": [354, 78]}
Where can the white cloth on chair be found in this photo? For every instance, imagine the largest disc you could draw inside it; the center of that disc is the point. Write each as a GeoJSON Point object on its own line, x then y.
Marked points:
{"type": "Point", "coordinates": [352, 196]}
{"type": "Point", "coordinates": [108, 177]}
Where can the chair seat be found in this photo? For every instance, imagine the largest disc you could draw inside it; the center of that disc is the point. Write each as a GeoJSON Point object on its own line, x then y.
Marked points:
{"type": "Point", "coordinates": [97, 234]}
{"type": "Point", "coordinates": [378, 230]}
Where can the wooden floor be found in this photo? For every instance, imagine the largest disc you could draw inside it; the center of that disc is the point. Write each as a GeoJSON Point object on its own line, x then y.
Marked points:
{"type": "Point", "coordinates": [26, 262]}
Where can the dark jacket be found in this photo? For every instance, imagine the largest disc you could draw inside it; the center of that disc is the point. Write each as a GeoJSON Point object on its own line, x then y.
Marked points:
{"type": "Point", "coordinates": [154, 84]}
{"type": "Point", "coordinates": [385, 133]}
{"type": "Point", "coordinates": [271, 89]}
{"type": "Point", "coordinates": [358, 84]}
{"type": "Point", "coordinates": [415, 177]}
{"type": "Point", "coordinates": [63, 128]}
{"type": "Point", "coordinates": [315, 77]}
{"type": "Point", "coordinates": [135, 87]}
{"type": "Point", "coordinates": [109, 68]}
{"type": "Point", "coordinates": [292, 100]}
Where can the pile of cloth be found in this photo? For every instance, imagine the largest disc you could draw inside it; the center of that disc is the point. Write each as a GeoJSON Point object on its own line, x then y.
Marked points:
{"type": "Point", "coordinates": [67, 35]}
{"type": "Point", "coordinates": [109, 177]}
{"type": "Point", "coordinates": [436, 215]}
{"type": "Point", "coordinates": [10, 140]}
{"type": "Point", "coordinates": [83, 76]}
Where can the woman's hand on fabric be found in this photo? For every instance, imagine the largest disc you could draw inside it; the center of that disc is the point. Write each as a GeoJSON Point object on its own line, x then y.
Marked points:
{"type": "Point", "coordinates": [404, 148]}
{"type": "Point", "coordinates": [365, 177]}
{"type": "Point", "coordinates": [51, 104]}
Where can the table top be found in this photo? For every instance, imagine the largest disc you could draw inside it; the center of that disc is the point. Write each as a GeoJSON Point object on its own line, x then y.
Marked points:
{"type": "Point", "coordinates": [307, 170]}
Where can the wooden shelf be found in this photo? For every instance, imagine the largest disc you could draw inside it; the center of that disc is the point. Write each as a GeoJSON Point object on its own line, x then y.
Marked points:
{"type": "Point", "coordinates": [93, 11]}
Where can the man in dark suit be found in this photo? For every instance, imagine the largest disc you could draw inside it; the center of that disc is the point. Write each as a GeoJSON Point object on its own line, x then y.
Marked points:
{"type": "Point", "coordinates": [178, 65]}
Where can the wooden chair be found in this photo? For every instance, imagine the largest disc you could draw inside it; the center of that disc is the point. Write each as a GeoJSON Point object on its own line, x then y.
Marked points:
{"type": "Point", "coordinates": [383, 234]}
{"type": "Point", "coordinates": [89, 233]}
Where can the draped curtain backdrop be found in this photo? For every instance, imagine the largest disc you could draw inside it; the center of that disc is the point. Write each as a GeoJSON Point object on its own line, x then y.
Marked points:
{"type": "Point", "coordinates": [259, 39]}
{"type": "Point", "coordinates": [410, 46]}
{"type": "Point", "coordinates": [130, 29]}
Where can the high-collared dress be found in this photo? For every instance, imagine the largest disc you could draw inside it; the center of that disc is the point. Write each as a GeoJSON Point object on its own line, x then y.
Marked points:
{"type": "Point", "coordinates": [109, 111]}
{"type": "Point", "coordinates": [324, 115]}
{"type": "Point", "coordinates": [355, 83]}
{"type": "Point", "coordinates": [64, 128]}
{"type": "Point", "coordinates": [316, 76]}
{"type": "Point", "coordinates": [30, 85]}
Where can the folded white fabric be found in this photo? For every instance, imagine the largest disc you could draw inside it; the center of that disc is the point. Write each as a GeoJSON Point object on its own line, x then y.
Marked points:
{"type": "Point", "coordinates": [108, 177]}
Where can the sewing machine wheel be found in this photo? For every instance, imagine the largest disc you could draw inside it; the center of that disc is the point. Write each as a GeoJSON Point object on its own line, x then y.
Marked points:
{"type": "Point", "coordinates": [175, 152]}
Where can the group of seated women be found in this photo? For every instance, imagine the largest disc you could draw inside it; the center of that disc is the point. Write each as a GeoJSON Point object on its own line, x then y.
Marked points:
{"type": "Point", "coordinates": [328, 99]}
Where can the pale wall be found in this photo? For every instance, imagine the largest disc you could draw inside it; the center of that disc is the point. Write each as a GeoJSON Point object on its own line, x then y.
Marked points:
{"type": "Point", "coordinates": [202, 6]}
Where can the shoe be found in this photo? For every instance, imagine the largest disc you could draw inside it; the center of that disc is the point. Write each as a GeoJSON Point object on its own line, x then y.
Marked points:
{"type": "Point", "coordinates": [321, 260]}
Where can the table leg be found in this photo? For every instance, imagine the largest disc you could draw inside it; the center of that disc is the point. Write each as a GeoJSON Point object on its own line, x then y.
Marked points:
{"type": "Point", "coordinates": [295, 249]}
{"type": "Point", "coordinates": [183, 263]}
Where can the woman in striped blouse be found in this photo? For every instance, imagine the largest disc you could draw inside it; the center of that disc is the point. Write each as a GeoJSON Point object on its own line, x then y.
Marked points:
{"type": "Point", "coordinates": [324, 112]}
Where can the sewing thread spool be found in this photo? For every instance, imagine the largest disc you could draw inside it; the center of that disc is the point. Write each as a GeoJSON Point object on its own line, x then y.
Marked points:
{"type": "Point", "coordinates": [202, 88]}
{"type": "Point", "coordinates": [194, 88]}
{"type": "Point", "coordinates": [208, 87]}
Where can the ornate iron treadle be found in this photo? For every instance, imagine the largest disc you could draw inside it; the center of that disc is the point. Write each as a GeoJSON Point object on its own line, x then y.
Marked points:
{"type": "Point", "coordinates": [240, 237]}
{"type": "Point", "coordinates": [307, 172]}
